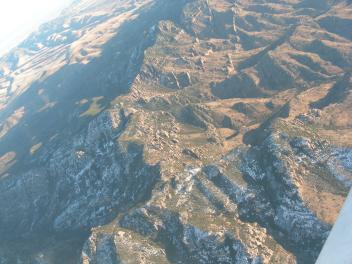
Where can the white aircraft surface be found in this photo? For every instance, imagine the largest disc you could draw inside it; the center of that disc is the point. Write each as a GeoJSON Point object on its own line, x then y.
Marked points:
{"type": "Point", "coordinates": [338, 246]}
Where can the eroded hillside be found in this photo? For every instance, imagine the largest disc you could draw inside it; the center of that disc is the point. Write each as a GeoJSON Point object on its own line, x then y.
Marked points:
{"type": "Point", "coordinates": [196, 131]}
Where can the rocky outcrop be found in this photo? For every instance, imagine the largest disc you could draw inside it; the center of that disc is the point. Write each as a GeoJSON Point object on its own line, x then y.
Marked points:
{"type": "Point", "coordinates": [85, 183]}
{"type": "Point", "coordinates": [340, 165]}
{"type": "Point", "coordinates": [202, 24]}
{"type": "Point", "coordinates": [100, 249]}
{"type": "Point", "coordinates": [176, 81]}
{"type": "Point", "coordinates": [272, 197]}
{"type": "Point", "coordinates": [185, 243]}
{"type": "Point", "coordinates": [208, 22]}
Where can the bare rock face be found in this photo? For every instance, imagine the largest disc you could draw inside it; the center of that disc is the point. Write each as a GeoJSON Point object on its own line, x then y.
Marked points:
{"type": "Point", "coordinates": [184, 79]}
{"type": "Point", "coordinates": [83, 185]}
{"type": "Point", "coordinates": [294, 222]}
{"type": "Point", "coordinates": [100, 249]}
{"type": "Point", "coordinates": [176, 81]}
{"type": "Point", "coordinates": [185, 243]}
{"type": "Point", "coordinates": [201, 25]}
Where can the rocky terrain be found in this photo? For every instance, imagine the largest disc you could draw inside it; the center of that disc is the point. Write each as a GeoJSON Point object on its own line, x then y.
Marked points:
{"type": "Point", "coordinates": [178, 131]}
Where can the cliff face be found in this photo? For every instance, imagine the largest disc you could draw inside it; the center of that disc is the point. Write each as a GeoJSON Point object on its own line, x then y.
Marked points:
{"type": "Point", "coordinates": [84, 183]}
{"type": "Point", "coordinates": [176, 132]}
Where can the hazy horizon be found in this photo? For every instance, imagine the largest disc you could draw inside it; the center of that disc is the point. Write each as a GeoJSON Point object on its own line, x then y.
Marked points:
{"type": "Point", "coordinates": [19, 18]}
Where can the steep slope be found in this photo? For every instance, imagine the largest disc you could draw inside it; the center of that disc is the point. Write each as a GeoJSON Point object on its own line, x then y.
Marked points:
{"type": "Point", "coordinates": [176, 132]}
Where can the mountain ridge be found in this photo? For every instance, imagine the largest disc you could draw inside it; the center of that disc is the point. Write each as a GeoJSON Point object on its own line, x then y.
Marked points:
{"type": "Point", "coordinates": [176, 132]}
